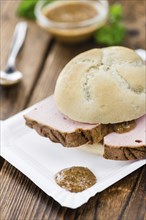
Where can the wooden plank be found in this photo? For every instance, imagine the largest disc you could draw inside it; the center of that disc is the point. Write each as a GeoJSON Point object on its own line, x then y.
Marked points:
{"type": "Point", "coordinates": [138, 211]}
{"type": "Point", "coordinates": [29, 61]}
{"type": "Point", "coordinates": [114, 201]}
{"type": "Point", "coordinates": [134, 19]}
{"type": "Point", "coordinates": [22, 199]}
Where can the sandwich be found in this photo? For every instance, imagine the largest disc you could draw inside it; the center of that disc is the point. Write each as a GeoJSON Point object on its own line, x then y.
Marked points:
{"type": "Point", "coordinates": [99, 97]}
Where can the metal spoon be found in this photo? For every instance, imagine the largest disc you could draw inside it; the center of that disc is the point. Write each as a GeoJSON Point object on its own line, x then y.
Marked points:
{"type": "Point", "coordinates": [11, 76]}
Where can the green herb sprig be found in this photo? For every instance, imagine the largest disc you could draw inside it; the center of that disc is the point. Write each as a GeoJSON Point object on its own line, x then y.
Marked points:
{"type": "Point", "coordinates": [26, 8]}
{"type": "Point", "coordinates": [113, 32]}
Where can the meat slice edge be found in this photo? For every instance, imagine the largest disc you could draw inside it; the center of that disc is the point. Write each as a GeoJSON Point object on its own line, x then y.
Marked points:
{"type": "Point", "coordinates": [49, 122]}
{"type": "Point", "coordinates": [127, 146]}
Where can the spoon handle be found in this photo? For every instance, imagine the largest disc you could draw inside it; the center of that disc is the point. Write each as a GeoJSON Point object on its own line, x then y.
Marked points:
{"type": "Point", "coordinates": [17, 42]}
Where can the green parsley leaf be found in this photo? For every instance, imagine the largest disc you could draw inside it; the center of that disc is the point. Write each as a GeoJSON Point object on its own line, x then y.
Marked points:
{"type": "Point", "coordinates": [26, 8]}
{"type": "Point", "coordinates": [116, 12]}
{"type": "Point", "coordinates": [113, 32]}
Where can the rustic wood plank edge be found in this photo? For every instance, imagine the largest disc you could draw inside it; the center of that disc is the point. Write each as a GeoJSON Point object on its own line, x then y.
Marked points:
{"type": "Point", "coordinates": [40, 70]}
{"type": "Point", "coordinates": [131, 194]}
{"type": "Point", "coordinates": [137, 197]}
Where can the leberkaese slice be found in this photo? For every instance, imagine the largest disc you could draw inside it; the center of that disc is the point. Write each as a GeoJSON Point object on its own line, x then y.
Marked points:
{"type": "Point", "coordinates": [127, 146]}
{"type": "Point", "coordinates": [49, 122]}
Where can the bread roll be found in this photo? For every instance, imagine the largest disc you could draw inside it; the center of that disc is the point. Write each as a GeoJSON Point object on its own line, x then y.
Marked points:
{"type": "Point", "coordinates": [103, 86]}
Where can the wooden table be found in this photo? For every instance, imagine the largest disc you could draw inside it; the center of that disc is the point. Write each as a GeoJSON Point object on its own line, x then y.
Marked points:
{"type": "Point", "coordinates": [41, 60]}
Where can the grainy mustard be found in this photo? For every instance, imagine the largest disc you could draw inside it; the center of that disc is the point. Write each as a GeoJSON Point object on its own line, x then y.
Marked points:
{"type": "Point", "coordinates": [75, 179]}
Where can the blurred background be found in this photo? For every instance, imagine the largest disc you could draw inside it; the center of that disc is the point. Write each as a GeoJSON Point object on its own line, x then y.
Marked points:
{"type": "Point", "coordinates": [132, 16]}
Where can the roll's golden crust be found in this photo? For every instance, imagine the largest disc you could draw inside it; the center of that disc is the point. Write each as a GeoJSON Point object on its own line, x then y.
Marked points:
{"type": "Point", "coordinates": [103, 86]}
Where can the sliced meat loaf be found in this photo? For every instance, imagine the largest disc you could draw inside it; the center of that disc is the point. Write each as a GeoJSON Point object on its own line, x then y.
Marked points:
{"type": "Point", "coordinates": [46, 119]}
{"type": "Point", "coordinates": [49, 122]}
{"type": "Point", "coordinates": [127, 146]}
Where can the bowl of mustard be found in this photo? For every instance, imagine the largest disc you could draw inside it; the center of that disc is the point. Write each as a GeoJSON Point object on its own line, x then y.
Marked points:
{"type": "Point", "coordinates": [71, 21]}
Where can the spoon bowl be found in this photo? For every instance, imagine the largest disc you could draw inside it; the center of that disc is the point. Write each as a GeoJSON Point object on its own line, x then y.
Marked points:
{"type": "Point", "coordinates": [11, 76]}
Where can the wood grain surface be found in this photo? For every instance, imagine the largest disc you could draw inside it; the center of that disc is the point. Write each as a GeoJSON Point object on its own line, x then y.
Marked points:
{"type": "Point", "coordinates": [41, 60]}
{"type": "Point", "coordinates": [14, 99]}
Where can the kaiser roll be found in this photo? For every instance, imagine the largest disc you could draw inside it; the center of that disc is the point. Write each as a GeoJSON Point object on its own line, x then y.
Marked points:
{"type": "Point", "coordinates": [103, 86]}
